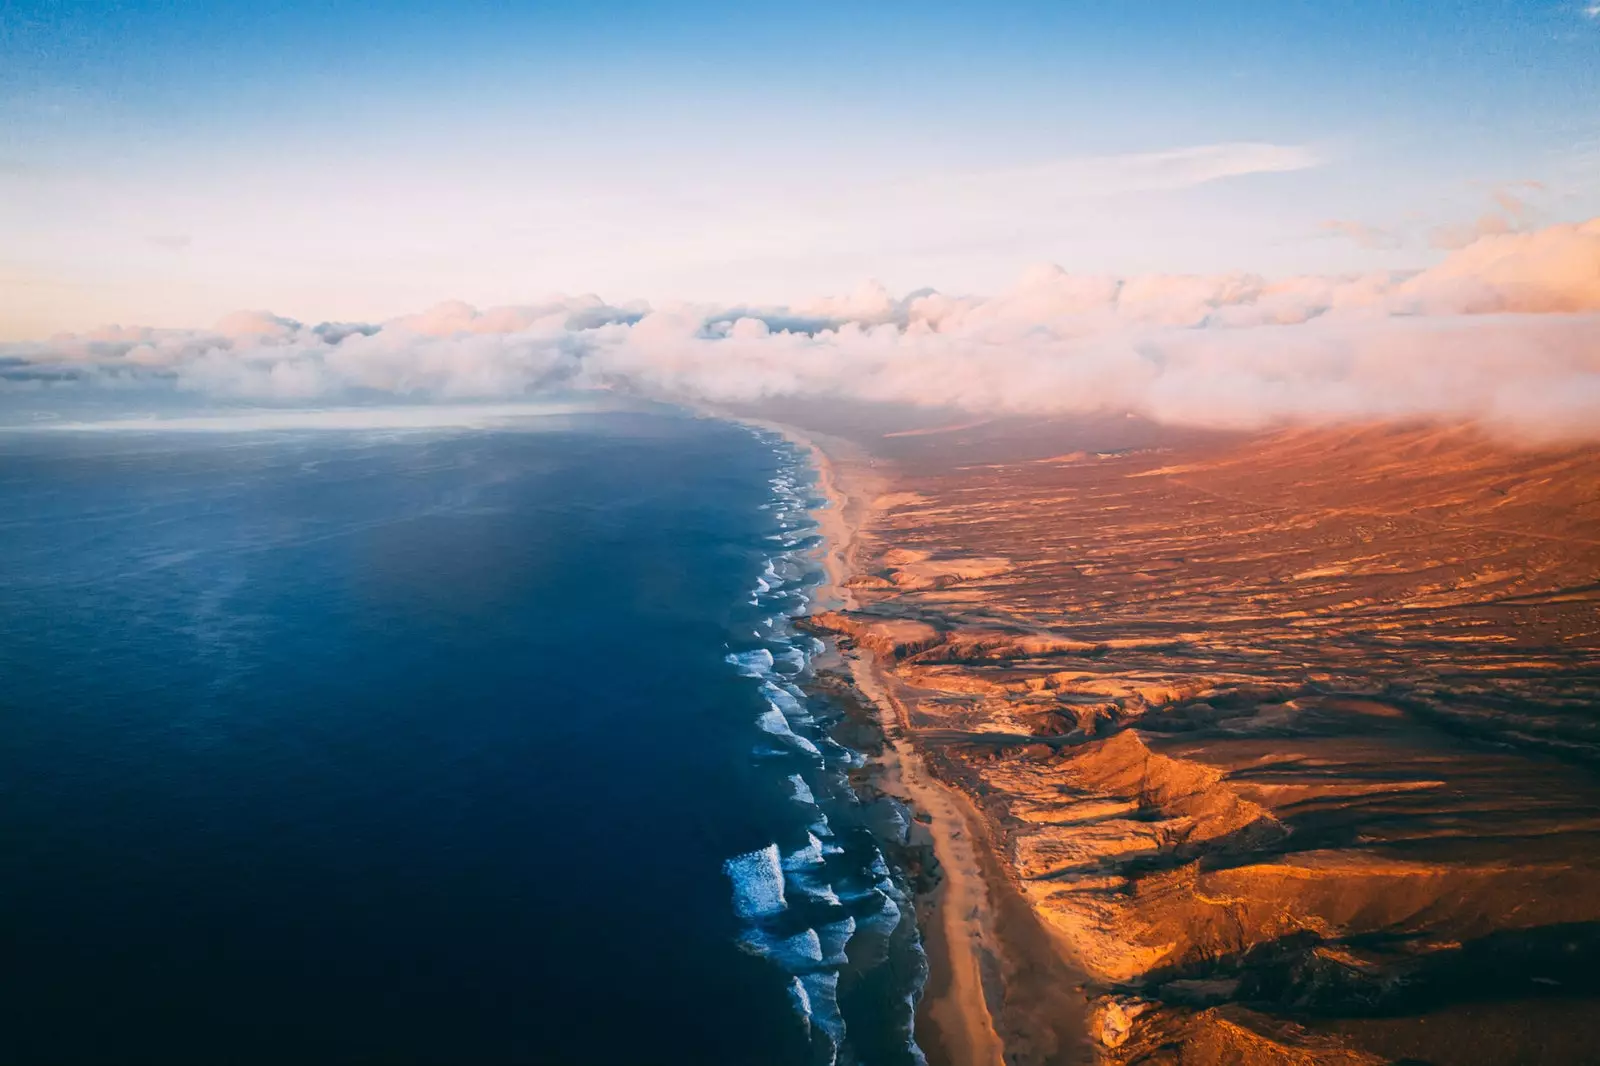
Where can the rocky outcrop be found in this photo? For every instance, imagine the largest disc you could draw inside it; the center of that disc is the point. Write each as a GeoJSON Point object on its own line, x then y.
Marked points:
{"type": "Point", "coordinates": [893, 638]}
{"type": "Point", "coordinates": [1146, 1034]}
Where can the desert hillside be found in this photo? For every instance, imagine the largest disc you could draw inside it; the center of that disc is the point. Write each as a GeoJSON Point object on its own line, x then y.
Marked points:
{"type": "Point", "coordinates": [1288, 739]}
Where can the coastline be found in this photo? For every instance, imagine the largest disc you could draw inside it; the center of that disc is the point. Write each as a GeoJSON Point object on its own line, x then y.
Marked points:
{"type": "Point", "coordinates": [849, 493]}
{"type": "Point", "coordinates": [955, 1026]}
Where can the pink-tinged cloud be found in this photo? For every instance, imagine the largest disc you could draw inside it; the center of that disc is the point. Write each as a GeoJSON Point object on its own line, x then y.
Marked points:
{"type": "Point", "coordinates": [1504, 332]}
{"type": "Point", "coordinates": [1553, 269]}
{"type": "Point", "coordinates": [1371, 238]}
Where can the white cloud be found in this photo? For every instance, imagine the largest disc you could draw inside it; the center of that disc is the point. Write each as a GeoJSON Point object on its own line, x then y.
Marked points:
{"type": "Point", "coordinates": [1505, 332]}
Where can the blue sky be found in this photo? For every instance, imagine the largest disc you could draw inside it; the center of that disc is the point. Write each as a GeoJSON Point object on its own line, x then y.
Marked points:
{"type": "Point", "coordinates": [164, 163]}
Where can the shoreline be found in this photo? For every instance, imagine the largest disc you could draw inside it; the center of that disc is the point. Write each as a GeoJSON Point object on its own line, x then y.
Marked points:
{"type": "Point", "coordinates": [955, 1026]}
{"type": "Point", "coordinates": [847, 514]}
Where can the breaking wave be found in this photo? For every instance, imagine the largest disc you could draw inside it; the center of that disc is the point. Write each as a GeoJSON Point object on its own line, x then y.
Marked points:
{"type": "Point", "coordinates": [819, 903]}
{"type": "Point", "coordinates": [757, 883]}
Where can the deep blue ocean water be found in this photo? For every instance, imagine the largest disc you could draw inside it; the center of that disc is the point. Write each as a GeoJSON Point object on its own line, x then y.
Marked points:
{"type": "Point", "coordinates": [424, 747]}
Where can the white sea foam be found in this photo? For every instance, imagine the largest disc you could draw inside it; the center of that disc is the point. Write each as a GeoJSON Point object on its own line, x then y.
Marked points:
{"type": "Point", "coordinates": [810, 855]}
{"type": "Point", "coordinates": [817, 891]}
{"type": "Point", "coordinates": [917, 1057]}
{"type": "Point", "coordinates": [800, 1001]}
{"type": "Point", "coordinates": [822, 992]}
{"type": "Point", "coordinates": [793, 658]}
{"type": "Point", "coordinates": [788, 568]}
{"type": "Point", "coordinates": [802, 791]}
{"type": "Point", "coordinates": [771, 881]}
{"type": "Point", "coordinates": [901, 819]}
{"type": "Point", "coordinates": [773, 721]}
{"type": "Point", "coordinates": [853, 892]}
{"type": "Point", "coordinates": [796, 953]}
{"type": "Point", "coordinates": [840, 754]}
{"type": "Point", "coordinates": [831, 941]}
{"type": "Point", "coordinates": [754, 663]}
{"type": "Point", "coordinates": [806, 872]}
{"type": "Point", "coordinates": [757, 878]}
{"type": "Point", "coordinates": [888, 916]}
{"type": "Point", "coordinates": [782, 699]}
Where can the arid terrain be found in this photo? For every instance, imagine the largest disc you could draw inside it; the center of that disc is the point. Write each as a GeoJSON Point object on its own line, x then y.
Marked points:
{"type": "Point", "coordinates": [1282, 746]}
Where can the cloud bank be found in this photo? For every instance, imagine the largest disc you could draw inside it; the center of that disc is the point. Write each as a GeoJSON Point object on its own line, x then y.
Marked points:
{"type": "Point", "coordinates": [1504, 332]}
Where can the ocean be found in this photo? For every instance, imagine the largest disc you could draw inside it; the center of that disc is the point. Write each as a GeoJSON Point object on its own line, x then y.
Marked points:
{"type": "Point", "coordinates": [430, 745]}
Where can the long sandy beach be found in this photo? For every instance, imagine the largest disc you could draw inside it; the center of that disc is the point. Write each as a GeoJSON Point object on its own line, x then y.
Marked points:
{"type": "Point", "coordinates": [955, 1023]}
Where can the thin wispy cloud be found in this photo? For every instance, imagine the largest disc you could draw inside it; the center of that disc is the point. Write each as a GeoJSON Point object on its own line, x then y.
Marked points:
{"type": "Point", "coordinates": [1019, 212]}
{"type": "Point", "coordinates": [1372, 238]}
{"type": "Point", "coordinates": [377, 239]}
{"type": "Point", "coordinates": [1114, 175]}
{"type": "Point", "coordinates": [1512, 210]}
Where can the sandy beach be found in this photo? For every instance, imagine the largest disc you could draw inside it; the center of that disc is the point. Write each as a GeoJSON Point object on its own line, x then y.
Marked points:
{"type": "Point", "coordinates": [954, 1026]}
{"type": "Point", "coordinates": [963, 919]}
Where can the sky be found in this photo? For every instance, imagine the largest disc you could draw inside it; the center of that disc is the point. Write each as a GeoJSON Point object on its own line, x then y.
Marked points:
{"type": "Point", "coordinates": [166, 163]}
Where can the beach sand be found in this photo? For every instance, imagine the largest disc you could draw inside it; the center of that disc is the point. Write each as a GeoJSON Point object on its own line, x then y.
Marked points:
{"type": "Point", "coordinates": [954, 1025]}
{"type": "Point", "coordinates": [997, 990]}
